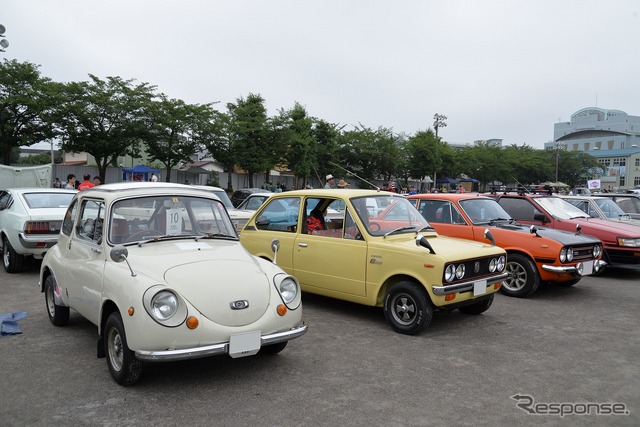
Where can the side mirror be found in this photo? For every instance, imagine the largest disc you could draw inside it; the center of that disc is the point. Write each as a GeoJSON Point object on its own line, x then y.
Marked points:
{"type": "Point", "coordinates": [118, 254]}
{"type": "Point", "coordinates": [534, 230]}
{"type": "Point", "coordinates": [540, 217]}
{"type": "Point", "coordinates": [489, 236]}
{"type": "Point", "coordinates": [422, 241]}
{"type": "Point", "coordinates": [275, 247]}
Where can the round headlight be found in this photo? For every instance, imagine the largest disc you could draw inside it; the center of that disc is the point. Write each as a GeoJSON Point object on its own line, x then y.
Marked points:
{"type": "Point", "coordinates": [597, 251]}
{"type": "Point", "coordinates": [570, 254]}
{"type": "Point", "coordinates": [563, 255]}
{"type": "Point", "coordinates": [164, 305]}
{"type": "Point", "coordinates": [492, 265]}
{"type": "Point", "coordinates": [449, 273]}
{"type": "Point", "coordinates": [460, 272]}
{"type": "Point", "coordinates": [288, 289]}
{"type": "Point", "coordinates": [502, 261]}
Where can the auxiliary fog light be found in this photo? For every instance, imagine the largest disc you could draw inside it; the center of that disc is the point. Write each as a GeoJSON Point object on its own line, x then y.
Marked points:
{"type": "Point", "coordinates": [580, 268]}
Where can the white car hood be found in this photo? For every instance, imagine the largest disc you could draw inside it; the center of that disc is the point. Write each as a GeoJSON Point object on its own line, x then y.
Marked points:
{"type": "Point", "coordinates": [212, 275]}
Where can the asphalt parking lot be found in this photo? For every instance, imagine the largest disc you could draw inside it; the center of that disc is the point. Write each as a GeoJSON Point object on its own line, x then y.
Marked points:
{"type": "Point", "coordinates": [558, 350]}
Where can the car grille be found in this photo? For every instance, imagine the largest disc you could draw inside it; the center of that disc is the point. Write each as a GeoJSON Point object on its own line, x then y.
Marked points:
{"type": "Point", "coordinates": [42, 227]}
{"type": "Point", "coordinates": [470, 269]}
{"type": "Point", "coordinates": [581, 253]}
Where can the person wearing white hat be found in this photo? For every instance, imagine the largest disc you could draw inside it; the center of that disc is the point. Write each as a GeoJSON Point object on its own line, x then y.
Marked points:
{"type": "Point", "coordinates": [329, 183]}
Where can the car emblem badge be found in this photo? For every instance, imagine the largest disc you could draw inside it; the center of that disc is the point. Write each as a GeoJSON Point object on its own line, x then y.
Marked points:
{"type": "Point", "coordinates": [239, 305]}
{"type": "Point", "coordinates": [476, 267]}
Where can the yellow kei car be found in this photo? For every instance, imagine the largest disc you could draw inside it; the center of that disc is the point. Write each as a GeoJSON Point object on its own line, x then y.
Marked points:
{"type": "Point", "coordinates": [379, 252]}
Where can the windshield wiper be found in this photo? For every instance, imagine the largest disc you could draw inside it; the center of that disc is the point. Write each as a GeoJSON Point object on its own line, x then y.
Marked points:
{"type": "Point", "coordinates": [167, 237]}
{"type": "Point", "coordinates": [407, 227]}
{"type": "Point", "coordinates": [219, 236]}
{"type": "Point", "coordinates": [493, 221]}
{"type": "Point", "coordinates": [425, 228]}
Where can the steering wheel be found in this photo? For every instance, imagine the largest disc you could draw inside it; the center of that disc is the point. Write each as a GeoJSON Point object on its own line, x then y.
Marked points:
{"type": "Point", "coordinates": [143, 233]}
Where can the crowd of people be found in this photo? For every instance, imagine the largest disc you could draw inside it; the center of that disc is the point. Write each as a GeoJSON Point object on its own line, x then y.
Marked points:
{"type": "Point", "coordinates": [73, 184]}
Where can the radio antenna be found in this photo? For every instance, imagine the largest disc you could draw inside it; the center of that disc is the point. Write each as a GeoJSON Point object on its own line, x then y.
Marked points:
{"type": "Point", "coordinates": [354, 174]}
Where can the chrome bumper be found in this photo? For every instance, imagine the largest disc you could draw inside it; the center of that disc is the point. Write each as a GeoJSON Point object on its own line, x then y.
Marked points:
{"type": "Point", "coordinates": [32, 242]}
{"type": "Point", "coordinates": [465, 286]}
{"type": "Point", "coordinates": [570, 269]}
{"type": "Point", "coordinates": [211, 350]}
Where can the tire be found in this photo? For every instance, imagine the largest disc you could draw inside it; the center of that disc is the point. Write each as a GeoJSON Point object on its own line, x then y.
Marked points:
{"type": "Point", "coordinates": [11, 260]}
{"type": "Point", "coordinates": [523, 277]}
{"type": "Point", "coordinates": [479, 307]}
{"type": "Point", "coordinates": [58, 315]}
{"type": "Point", "coordinates": [407, 308]}
{"type": "Point", "coordinates": [123, 365]}
{"type": "Point", "coordinates": [568, 282]}
{"type": "Point", "coordinates": [273, 348]}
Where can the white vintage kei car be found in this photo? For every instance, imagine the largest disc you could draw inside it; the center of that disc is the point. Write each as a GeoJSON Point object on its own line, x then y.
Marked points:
{"type": "Point", "coordinates": [159, 269]}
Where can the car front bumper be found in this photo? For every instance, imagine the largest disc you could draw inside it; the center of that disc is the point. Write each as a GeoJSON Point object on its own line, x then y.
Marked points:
{"type": "Point", "coordinates": [215, 349]}
{"type": "Point", "coordinates": [466, 286]}
{"type": "Point", "coordinates": [574, 269]}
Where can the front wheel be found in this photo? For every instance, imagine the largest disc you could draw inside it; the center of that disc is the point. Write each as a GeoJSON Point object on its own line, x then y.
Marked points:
{"type": "Point", "coordinates": [11, 260]}
{"type": "Point", "coordinates": [273, 348]}
{"type": "Point", "coordinates": [58, 315]}
{"type": "Point", "coordinates": [122, 362]}
{"type": "Point", "coordinates": [479, 307]}
{"type": "Point", "coordinates": [407, 308]}
{"type": "Point", "coordinates": [523, 277]}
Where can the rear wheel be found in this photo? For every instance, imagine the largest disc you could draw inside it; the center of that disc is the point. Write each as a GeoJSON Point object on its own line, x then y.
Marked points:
{"type": "Point", "coordinates": [58, 315]}
{"type": "Point", "coordinates": [11, 260]}
{"type": "Point", "coordinates": [407, 308]}
{"type": "Point", "coordinates": [523, 277]}
{"type": "Point", "coordinates": [122, 362]}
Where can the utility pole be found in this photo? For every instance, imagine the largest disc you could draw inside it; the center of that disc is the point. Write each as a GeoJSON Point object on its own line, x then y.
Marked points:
{"type": "Point", "coordinates": [439, 122]}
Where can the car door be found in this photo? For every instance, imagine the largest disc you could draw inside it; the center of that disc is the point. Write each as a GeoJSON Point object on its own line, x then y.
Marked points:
{"type": "Point", "coordinates": [85, 259]}
{"type": "Point", "coordinates": [333, 263]}
{"type": "Point", "coordinates": [445, 217]}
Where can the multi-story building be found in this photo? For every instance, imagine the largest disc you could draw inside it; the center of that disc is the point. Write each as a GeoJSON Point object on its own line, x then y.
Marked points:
{"type": "Point", "coordinates": [611, 136]}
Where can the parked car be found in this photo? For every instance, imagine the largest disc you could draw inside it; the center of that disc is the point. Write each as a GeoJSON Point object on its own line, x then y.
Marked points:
{"type": "Point", "coordinates": [600, 207]}
{"type": "Point", "coordinates": [621, 241]}
{"type": "Point", "coordinates": [159, 269]}
{"type": "Point", "coordinates": [629, 203]}
{"type": "Point", "coordinates": [239, 216]}
{"type": "Point", "coordinates": [535, 255]}
{"type": "Point", "coordinates": [30, 220]}
{"type": "Point", "coordinates": [253, 201]}
{"type": "Point", "coordinates": [394, 260]}
{"type": "Point", "coordinates": [239, 195]}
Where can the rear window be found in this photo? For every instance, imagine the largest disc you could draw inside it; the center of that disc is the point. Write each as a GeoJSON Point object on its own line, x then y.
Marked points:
{"type": "Point", "coordinates": [47, 200]}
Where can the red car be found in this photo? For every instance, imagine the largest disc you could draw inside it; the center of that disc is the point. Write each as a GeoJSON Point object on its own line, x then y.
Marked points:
{"type": "Point", "coordinates": [535, 255]}
{"type": "Point", "coordinates": [621, 241]}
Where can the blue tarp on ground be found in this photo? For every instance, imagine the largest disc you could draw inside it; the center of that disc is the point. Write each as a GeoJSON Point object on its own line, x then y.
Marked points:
{"type": "Point", "coordinates": [9, 322]}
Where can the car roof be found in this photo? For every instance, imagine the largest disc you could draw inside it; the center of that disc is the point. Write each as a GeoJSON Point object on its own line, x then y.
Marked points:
{"type": "Point", "coordinates": [450, 196]}
{"type": "Point", "coordinates": [125, 189]}
{"type": "Point", "coordinates": [24, 190]}
{"type": "Point", "coordinates": [336, 192]}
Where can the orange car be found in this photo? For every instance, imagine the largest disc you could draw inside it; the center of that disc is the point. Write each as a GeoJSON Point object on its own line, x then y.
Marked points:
{"type": "Point", "coordinates": [535, 255]}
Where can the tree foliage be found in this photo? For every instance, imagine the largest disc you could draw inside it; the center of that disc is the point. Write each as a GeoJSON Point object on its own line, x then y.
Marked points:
{"type": "Point", "coordinates": [26, 99]}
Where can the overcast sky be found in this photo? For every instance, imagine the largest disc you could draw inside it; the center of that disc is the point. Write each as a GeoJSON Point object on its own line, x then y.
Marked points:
{"type": "Point", "coordinates": [506, 69]}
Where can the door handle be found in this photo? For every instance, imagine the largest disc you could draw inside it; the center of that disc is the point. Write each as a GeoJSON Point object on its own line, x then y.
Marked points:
{"type": "Point", "coordinates": [303, 245]}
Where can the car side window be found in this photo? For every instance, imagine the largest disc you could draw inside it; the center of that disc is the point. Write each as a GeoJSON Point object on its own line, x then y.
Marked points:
{"type": "Point", "coordinates": [89, 226]}
{"type": "Point", "coordinates": [519, 209]}
{"type": "Point", "coordinates": [70, 218]}
{"type": "Point", "coordinates": [280, 215]}
{"type": "Point", "coordinates": [351, 230]}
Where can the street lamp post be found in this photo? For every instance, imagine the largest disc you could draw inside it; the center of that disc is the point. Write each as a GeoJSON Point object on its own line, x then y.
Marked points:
{"type": "Point", "coordinates": [559, 146]}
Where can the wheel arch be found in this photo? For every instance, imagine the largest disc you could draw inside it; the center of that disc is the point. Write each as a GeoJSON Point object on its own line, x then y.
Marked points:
{"type": "Point", "coordinates": [392, 280]}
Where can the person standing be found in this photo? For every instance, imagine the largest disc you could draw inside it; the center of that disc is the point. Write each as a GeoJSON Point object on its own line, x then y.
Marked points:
{"type": "Point", "coordinates": [86, 184]}
{"type": "Point", "coordinates": [97, 180]}
{"type": "Point", "coordinates": [154, 178]}
{"type": "Point", "coordinates": [71, 182]}
{"type": "Point", "coordinates": [329, 183]}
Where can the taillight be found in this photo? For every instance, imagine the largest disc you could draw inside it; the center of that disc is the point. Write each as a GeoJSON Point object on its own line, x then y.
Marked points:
{"type": "Point", "coordinates": [40, 227]}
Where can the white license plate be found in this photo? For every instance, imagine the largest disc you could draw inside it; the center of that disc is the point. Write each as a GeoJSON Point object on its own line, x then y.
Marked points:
{"type": "Point", "coordinates": [244, 344]}
{"type": "Point", "coordinates": [587, 268]}
{"type": "Point", "coordinates": [480, 287]}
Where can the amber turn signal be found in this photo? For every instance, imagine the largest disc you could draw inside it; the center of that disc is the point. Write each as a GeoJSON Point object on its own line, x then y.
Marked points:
{"type": "Point", "coordinates": [130, 311]}
{"type": "Point", "coordinates": [282, 309]}
{"type": "Point", "coordinates": [192, 322]}
{"type": "Point", "coordinates": [497, 285]}
{"type": "Point", "coordinates": [450, 297]}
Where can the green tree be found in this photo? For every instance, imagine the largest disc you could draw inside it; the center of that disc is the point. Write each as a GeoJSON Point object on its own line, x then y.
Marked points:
{"type": "Point", "coordinates": [249, 134]}
{"type": "Point", "coordinates": [25, 102]}
{"type": "Point", "coordinates": [424, 155]}
{"type": "Point", "coordinates": [296, 129]}
{"type": "Point", "coordinates": [104, 118]}
{"type": "Point", "coordinates": [173, 133]}
{"type": "Point", "coordinates": [215, 137]}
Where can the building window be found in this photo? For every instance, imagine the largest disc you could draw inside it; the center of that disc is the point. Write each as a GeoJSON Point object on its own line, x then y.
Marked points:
{"type": "Point", "coordinates": [605, 162]}
{"type": "Point", "coordinates": [621, 180]}
{"type": "Point", "coordinates": [638, 162]}
{"type": "Point", "coordinates": [620, 162]}
{"type": "Point", "coordinates": [636, 181]}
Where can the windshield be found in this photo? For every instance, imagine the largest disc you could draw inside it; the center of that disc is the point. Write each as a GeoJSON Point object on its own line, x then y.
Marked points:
{"type": "Point", "coordinates": [610, 208]}
{"type": "Point", "coordinates": [484, 210]}
{"type": "Point", "coordinates": [145, 218]}
{"type": "Point", "coordinates": [560, 208]}
{"type": "Point", "coordinates": [383, 214]}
